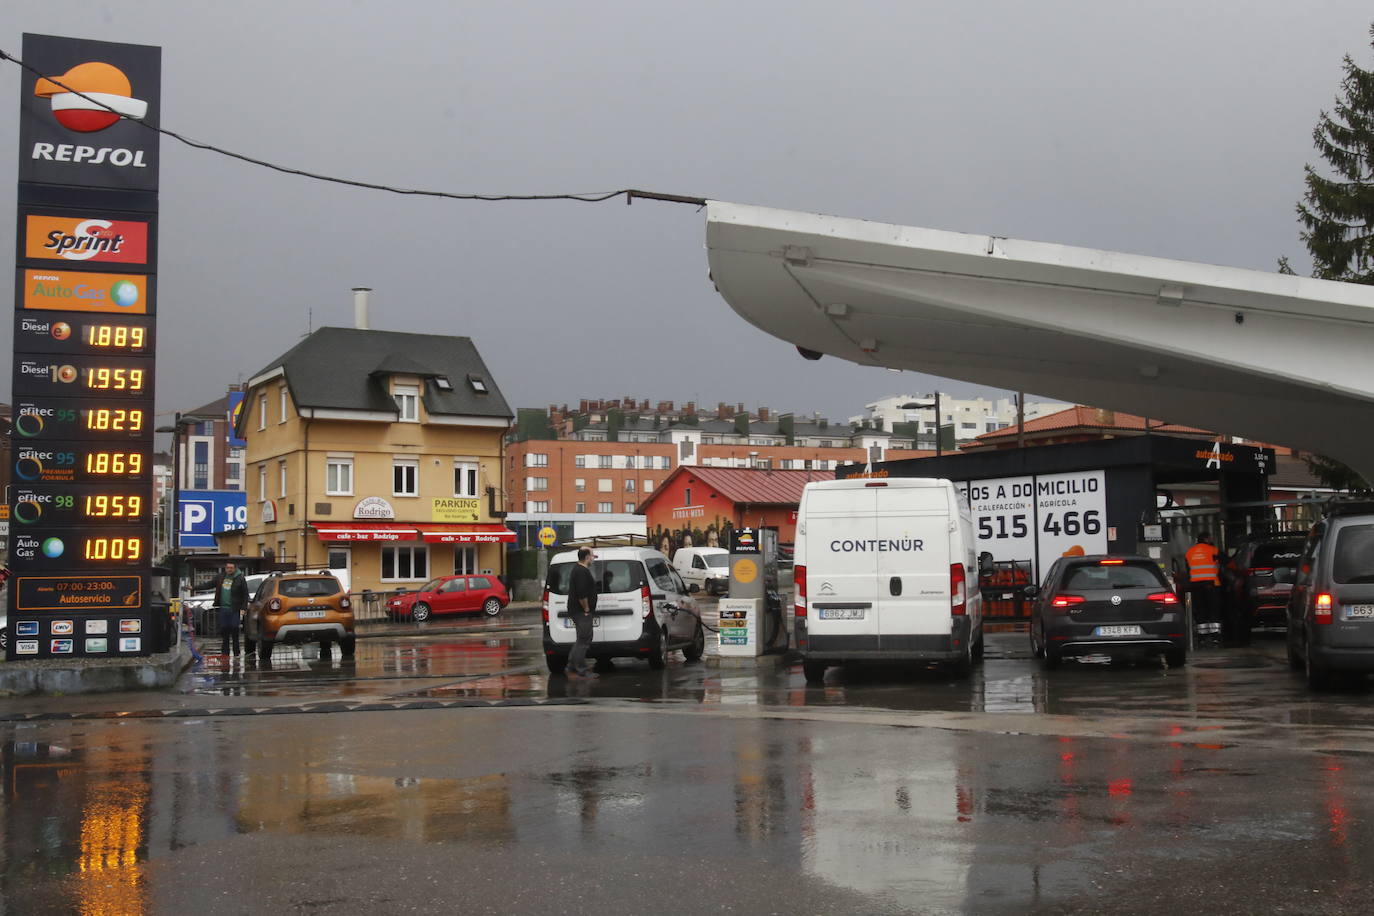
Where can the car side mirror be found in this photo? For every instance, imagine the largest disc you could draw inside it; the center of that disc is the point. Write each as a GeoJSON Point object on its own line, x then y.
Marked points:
{"type": "Point", "coordinates": [1030, 591]}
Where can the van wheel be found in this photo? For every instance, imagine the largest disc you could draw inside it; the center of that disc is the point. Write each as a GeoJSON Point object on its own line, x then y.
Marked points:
{"type": "Point", "coordinates": [978, 650]}
{"type": "Point", "coordinates": [557, 663]}
{"type": "Point", "coordinates": [813, 670]}
{"type": "Point", "coordinates": [265, 650]}
{"type": "Point", "coordinates": [658, 656]}
{"type": "Point", "coordinates": [1318, 677]}
{"type": "Point", "coordinates": [348, 646]}
{"type": "Point", "coordinates": [1036, 651]}
{"type": "Point", "coordinates": [693, 589]}
{"type": "Point", "coordinates": [420, 612]}
{"type": "Point", "coordinates": [697, 649]}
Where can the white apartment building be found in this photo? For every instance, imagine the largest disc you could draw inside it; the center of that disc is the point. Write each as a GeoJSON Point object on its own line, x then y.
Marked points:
{"type": "Point", "coordinates": [970, 417]}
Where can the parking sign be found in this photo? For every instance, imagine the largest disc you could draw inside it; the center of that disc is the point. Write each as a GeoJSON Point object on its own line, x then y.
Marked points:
{"type": "Point", "coordinates": [204, 513]}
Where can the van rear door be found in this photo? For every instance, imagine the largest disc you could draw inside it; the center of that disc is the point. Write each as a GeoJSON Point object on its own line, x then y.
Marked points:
{"type": "Point", "coordinates": [840, 570]}
{"type": "Point", "coordinates": [913, 538]}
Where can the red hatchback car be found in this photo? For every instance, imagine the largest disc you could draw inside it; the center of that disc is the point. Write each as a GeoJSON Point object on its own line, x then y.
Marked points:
{"type": "Point", "coordinates": [451, 595]}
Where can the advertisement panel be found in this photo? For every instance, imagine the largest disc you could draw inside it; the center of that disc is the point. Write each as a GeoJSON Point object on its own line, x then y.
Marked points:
{"type": "Point", "coordinates": [85, 239]}
{"type": "Point", "coordinates": [204, 513]}
{"type": "Point", "coordinates": [1072, 511]}
{"type": "Point", "coordinates": [235, 409]}
{"type": "Point", "coordinates": [454, 509]}
{"type": "Point", "coordinates": [84, 122]}
{"type": "Point", "coordinates": [80, 291]}
{"type": "Point", "coordinates": [1003, 516]}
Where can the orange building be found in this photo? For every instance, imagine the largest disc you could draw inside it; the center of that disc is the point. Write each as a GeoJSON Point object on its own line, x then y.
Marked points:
{"type": "Point", "coordinates": [703, 501]}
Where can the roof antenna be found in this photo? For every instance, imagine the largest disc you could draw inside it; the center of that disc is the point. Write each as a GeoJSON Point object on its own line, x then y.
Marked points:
{"type": "Point", "coordinates": [309, 321]}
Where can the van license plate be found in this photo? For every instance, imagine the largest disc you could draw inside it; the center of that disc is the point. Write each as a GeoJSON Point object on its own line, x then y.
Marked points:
{"type": "Point", "coordinates": [309, 615]}
{"type": "Point", "coordinates": [1359, 610]}
{"type": "Point", "coordinates": [1117, 631]}
{"type": "Point", "coordinates": [842, 613]}
{"type": "Point", "coordinates": [568, 623]}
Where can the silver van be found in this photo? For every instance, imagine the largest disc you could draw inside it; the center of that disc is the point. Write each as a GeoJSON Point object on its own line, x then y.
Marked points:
{"type": "Point", "coordinates": [643, 609]}
{"type": "Point", "coordinates": [1331, 606]}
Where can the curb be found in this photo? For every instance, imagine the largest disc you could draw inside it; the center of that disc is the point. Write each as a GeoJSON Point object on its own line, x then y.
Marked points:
{"type": "Point", "coordinates": [21, 678]}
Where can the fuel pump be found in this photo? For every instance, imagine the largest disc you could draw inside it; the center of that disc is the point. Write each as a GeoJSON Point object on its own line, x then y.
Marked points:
{"type": "Point", "coordinates": [751, 620]}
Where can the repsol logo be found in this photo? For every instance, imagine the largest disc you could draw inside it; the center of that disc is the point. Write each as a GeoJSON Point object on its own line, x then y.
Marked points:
{"type": "Point", "coordinates": [68, 152]}
{"type": "Point", "coordinates": [876, 545]}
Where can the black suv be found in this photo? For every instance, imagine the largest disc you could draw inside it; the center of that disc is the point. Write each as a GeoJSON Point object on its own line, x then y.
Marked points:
{"type": "Point", "coordinates": [1257, 579]}
{"type": "Point", "coordinates": [1106, 605]}
{"type": "Point", "coordinates": [1331, 607]}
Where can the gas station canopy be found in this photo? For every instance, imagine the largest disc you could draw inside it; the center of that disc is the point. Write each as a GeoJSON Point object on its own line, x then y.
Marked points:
{"type": "Point", "coordinates": [1268, 356]}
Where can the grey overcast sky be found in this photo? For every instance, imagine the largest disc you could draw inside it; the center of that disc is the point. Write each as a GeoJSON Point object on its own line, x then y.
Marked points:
{"type": "Point", "coordinates": [1171, 128]}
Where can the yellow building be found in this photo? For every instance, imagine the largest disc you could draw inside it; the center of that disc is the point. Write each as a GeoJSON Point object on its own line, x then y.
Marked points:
{"type": "Point", "coordinates": [375, 451]}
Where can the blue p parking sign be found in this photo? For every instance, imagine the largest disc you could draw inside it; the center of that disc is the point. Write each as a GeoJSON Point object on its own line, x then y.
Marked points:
{"type": "Point", "coordinates": [204, 513]}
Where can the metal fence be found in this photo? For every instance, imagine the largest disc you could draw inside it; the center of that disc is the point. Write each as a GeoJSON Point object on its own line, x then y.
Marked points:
{"type": "Point", "coordinates": [368, 607]}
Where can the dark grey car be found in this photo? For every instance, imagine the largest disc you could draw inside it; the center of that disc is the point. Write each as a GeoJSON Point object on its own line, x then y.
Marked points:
{"type": "Point", "coordinates": [1106, 605]}
{"type": "Point", "coordinates": [1331, 607]}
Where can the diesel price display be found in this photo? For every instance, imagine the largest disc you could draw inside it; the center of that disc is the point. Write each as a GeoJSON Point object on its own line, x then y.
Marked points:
{"type": "Point", "coordinates": [57, 333]}
{"type": "Point", "coordinates": [84, 375]}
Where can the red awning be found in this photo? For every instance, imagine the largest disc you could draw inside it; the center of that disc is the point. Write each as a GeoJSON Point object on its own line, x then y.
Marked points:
{"type": "Point", "coordinates": [466, 534]}
{"type": "Point", "coordinates": [365, 531]}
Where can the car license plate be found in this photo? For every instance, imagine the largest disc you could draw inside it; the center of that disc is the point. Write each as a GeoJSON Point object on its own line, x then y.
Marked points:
{"type": "Point", "coordinates": [1117, 631]}
{"type": "Point", "coordinates": [841, 613]}
{"type": "Point", "coordinates": [309, 615]}
{"type": "Point", "coordinates": [568, 623]}
{"type": "Point", "coordinates": [1359, 610]}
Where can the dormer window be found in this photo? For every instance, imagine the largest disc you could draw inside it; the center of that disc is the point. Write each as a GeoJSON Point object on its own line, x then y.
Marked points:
{"type": "Point", "coordinates": [479, 384]}
{"type": "Point", "coordinates": [407, 403]}
{"type": "Point", "coordinates": [442, 383]}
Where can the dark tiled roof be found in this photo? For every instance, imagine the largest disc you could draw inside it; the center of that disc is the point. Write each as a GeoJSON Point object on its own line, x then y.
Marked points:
{"type": "Point", "coordinates": [346, 369]}
{"type": "Point", "coordinates": [215, 409]}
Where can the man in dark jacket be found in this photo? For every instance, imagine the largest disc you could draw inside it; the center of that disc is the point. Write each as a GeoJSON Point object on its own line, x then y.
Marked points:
{"type": "Point", "coordinates": [230, 593]}
{"type": "Point", "coordinates": [581, 606]}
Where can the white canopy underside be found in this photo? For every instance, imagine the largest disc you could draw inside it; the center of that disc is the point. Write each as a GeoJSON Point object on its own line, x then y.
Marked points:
{"type": "Point", "coordinates": [1280, 359]}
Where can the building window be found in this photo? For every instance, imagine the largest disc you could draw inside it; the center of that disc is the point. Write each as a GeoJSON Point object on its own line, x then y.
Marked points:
{"type": "Point", "coordinates": [605, 485]}
{"type": "Point", "coordinates": [464, 560]}
{"type": "Point", "coordinates": [465, 479]}
{"type": "Point", "coordinates": [262, 411]}
{"type": "Point", "coordinates": [630, 461]}
{"type": "Point", "coordinates": [580, 484]}
{"type": "Point", "coordinates": [664, 462]}
{"type": "Point", "coordinates": [973, 427]}
{"type": "Point", "coordinates": [262, 483]}
{"type": "Point", "coordinates": [605, 507]}
{"type": "Point", "coordinates": [281, 473]}
{"type": "Point", "coordinates": [405, 564]}
{"type": "Point", "coordinates": [536, 461]}
{"type": "Point", "coordinates": [629, 485]}
{"type": "Point", "coordinates": [200, 472]}
{"type": "Point", "coordinates": [405, 474]}
{"type": "Point", "coordinates": [281, 397]}
{"type": "Point", "coordinates": [630, 508]}
{"type": "Point", "coordinates": [536, 483]}
{"type": "Point", "coordinates": [233, 472]}
{"type": "Point", "coordinates": [648, 486]}
{"type": "Point", "coordinates": [603, 461]}
{"type": "Point", "coordinates": [407, 403]}
{"type": "Point", "coordinates": [579, 461]}
{"type": "Point", "coordinates": [536, 505]}
{"type": "Point", "coordinates": [687, 496]}
{"type": "Point", "coordinates": [338, 476]}
{"type": "Point", "coordinates": [579, 507]}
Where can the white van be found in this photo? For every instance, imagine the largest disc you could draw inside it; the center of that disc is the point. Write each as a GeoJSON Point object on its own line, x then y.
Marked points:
{"type": "Point", "coordinates": [886, 570]}
{"type": "Point", "coordinates": [643, 609]}
{"type": "Point", "coordinates": [704, 569]}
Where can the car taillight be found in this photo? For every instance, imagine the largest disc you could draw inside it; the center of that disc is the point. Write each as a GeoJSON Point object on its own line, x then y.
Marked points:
{"type": "Point", "coordinates": [799, 580]}
{"type": "Point", "coordinates": [958, 590]}
{"type": "Point", "coordinates": [274, 606]}
{"type": "Point", "coordinates": [1062, 601]}
{"type": "Point", "coordinates": [544, 602]}
{"type": "Point", "coordinates": [345, 603]}
{"type": "Point", "coordinates": [1321, 609]}
{"type": "Point", "coordinates": [1163, 598]}
{"type": "Point", "coordinates": [646, 602]}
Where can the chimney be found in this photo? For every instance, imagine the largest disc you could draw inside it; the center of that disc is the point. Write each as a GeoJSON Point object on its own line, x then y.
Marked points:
{"type": "Point", "coordinates": [763, 413]}
{"type": "Point", "coordinates": [360, 317]}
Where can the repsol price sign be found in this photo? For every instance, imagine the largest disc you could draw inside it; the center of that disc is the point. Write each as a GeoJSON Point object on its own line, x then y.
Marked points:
{"type": "Point", "coordinates": [81, 501]}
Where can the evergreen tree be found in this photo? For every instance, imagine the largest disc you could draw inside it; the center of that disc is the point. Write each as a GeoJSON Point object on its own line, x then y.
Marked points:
{"type": "Point", "coordinates": [1337, 213]}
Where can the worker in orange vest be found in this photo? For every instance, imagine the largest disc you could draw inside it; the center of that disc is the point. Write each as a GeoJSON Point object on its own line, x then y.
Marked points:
{"type": "Point", "coordinates": [1204, 581]}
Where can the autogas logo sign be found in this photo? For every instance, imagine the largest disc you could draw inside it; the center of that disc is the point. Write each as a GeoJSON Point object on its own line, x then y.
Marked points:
{"type": "Point", "coordinates": [85, 240]}
{"type": "Point", "coordinates": [77, 291]}
{"type": "Point", "coordinates": [85, 120]}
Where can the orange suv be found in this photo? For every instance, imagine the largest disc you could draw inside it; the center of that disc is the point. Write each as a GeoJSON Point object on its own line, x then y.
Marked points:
{"type": "Point", "coordinates": [299, 607]}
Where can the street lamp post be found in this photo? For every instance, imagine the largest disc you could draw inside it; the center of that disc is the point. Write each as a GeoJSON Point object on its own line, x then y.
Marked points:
{"type": "Point", "coordinates": [174, 524]}
{"type": "Point", "coordinates": [912, 405]}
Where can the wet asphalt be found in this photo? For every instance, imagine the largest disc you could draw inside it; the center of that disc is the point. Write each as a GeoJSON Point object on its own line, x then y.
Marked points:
{"type": "Point", "coordinates": [447, 772]}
